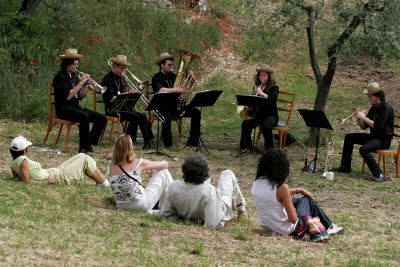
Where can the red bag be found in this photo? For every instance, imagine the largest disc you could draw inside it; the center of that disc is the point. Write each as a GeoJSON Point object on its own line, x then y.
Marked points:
{"type": "Point", "coordinates": [317, 230]}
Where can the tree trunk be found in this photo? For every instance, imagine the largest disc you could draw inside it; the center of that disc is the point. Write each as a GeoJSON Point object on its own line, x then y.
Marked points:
{"type": "Point", "coordinates": [28, 7]}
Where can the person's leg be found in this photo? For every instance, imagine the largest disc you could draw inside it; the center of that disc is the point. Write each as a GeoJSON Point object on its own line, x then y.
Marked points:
{"type": "Point", "coordinates": [132, 119]}
{"type": "Point", "coordinates": [267, 123]}
{"type": "Point", "coordinates": [245, 137]}
{"type": "Point", "coordinates": [166, 128]}
{"type": "Point", "coordinates": [365, 152]}
{"type": "Point", "coordinates": [305, 206]}
{"type": "Point", "coordinates": [157, 187]}
{"type": "Point", "coordinates": [99, 120]}
{"type": "Point", "coordinates": [231, 194]}
{"type": "Point", "coordinates": [71, 114]}
{"type": "Point", "coordinates": [145, 127]}
{"type": "Point", "coordinates": [195, 120]}
{"type": "Point", "coordinates": [349, 141]}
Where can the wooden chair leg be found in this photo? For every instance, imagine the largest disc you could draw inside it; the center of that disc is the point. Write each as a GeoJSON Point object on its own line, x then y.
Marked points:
{"type": "Point", "coordinates": [284, 139]}
{"type": "Point", "coordinates": [67, 137]}
{"type": "Point", "coordinates": [59, 133]}
{"type": "Point", "coordinates": [280, 140]}
{"type": "Point", "coordinates": [396, 162]}
{"type": "Point", "coordinates": [49, 127]}
{"type": "Point", "coordinates": [384, 163]}
{"type": "Point", "coordinates": [103, 132]}
{"type": "Point", "coordinates": [111, 133]}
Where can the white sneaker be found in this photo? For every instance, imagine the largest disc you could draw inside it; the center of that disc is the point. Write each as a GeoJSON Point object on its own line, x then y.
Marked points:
{"type": "Point", "coordinates": [334, 229]}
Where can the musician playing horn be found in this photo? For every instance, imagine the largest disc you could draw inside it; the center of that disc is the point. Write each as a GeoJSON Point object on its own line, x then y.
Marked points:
{"type": "Point", "coordinates": [380, 120]}
{"type": "Point", "coordinates": [68, 90]}
{"type": "Point", "coordinates": [163, 81]}
{"type": "Point", "coordinates": [116, 84]}
{"type": "Point", "coordinates": [267, 115]}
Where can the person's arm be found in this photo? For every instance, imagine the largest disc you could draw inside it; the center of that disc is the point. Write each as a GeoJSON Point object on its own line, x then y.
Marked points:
{"type": "Point", "coordinates": [167, 209]}
{"type": "Point", "coordinates": [108, 96]}
{"type": "Point", "coordinates": [24, 169]}
{"type": "Point", "coordinates": [363, 121]}
{"type": "Point", "coordinates": [152, 165]}
{"type": "Point", "coordinates": [283, 195]}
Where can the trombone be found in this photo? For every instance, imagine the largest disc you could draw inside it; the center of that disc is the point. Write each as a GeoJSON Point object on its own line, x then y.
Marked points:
{"type": "Point", "coordinates": [93, 85]}
{"type": "Point", "coordinates": [132, 86]}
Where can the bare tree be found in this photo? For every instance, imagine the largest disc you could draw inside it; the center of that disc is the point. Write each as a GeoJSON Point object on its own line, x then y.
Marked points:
{"type": "Point", "coordinates": [28, 7]}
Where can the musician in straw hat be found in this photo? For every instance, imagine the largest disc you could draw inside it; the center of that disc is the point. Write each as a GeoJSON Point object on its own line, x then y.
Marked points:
{"type": "Point", "coordinates": [68, 90]}
{"type": "Point", "coordinates": [116, 84]}
{"type": "Point", "coordinates": [267, 115]}
{"type": "Point", "coordinates": [163, 81]}
{"type": "Point", "coordinates": [380, 120]}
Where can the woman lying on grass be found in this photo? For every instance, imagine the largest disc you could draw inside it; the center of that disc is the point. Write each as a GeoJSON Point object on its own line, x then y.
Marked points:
{"type": "Point", "coordinates": [125, 176]}
{"type": "Point", "coordinates": [69, 171]}
{"type": "Point", "coordinates": [278, 212]}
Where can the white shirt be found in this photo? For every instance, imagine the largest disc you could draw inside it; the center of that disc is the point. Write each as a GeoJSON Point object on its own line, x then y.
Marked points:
{"type": "Point", "coordinates": [271, 213]}
{"type": "Point", "coordinates": [198, 202]}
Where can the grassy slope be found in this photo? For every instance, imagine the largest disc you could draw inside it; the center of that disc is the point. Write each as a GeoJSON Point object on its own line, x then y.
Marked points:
{"type": "Point", "coordinates": [79, 226]}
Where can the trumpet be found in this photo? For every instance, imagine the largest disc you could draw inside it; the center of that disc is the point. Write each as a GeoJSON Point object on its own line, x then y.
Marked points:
{"type": "Point", "coordinates": [132, 86]}
{"type": "Point", "coordinates": [353, 114]}
{"type": "Point", "coordinates": [93, 85]}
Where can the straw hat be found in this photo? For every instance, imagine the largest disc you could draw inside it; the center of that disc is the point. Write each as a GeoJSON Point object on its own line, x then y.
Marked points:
{"type": "Point", "coordinates": [120, 60]}
{"type": "Point", "coordinates": [71, 54]}
{"type": "Point", "coordinates": [19, 143]}
{"type": "Point", "coordinates": [372, 88]}
{"type": "Point", "coordinates": [265, 68]}
{"type": "Point", "coordinates": [164, 56]}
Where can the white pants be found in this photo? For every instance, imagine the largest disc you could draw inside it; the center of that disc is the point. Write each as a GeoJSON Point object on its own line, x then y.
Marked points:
{"type": "Point", "coordinates": [232, 197]}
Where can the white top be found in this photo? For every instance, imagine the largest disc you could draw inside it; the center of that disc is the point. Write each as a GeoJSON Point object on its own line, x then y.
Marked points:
{"type": "Point", "coordinates": [271, 213]}
{"type": "Point", "coordinates": [197, 202]}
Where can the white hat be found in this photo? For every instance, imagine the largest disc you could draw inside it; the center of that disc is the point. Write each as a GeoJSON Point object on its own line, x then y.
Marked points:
{"type": "Point", "coordinates": [20, 143]}
{"type": "Point", "coordinates": [120, 60]}
{"type": "Point", "coordinates": [372, 88]}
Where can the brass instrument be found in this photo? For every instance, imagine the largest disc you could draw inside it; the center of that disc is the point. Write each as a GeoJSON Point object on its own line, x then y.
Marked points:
{"type": "Point", "coordinates": [131, 86]}
{"type": "Point", "coordinates": [93, 85]}
{"type": "Point", "coordinates": [329, 152]}
{"type": "Point", "coordinates": [184, 80]}
{"type": "Point", "coordinates": [353, 114]}
{"type": "Point", "coordinates": [247, 112]}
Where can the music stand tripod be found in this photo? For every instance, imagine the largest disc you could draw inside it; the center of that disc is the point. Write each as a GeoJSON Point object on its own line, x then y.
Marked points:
{"type": "Point", "coordinates": [254, 102]}
{"type": "Point", "coordinates": [318, 119]}
{"type": "Point", "coordinates": [162, 101]}
{"type": "Point", "coordinates": [203, 99]}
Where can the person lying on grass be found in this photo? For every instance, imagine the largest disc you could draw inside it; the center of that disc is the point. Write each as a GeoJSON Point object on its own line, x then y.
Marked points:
{"type": "Point", "coordinates": [278, 212]}
{"type": "Point", "coordinates": [72, 170]}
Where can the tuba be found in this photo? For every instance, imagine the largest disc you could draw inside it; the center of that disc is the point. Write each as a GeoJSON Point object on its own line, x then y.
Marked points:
{"type": "Point", "coordinates": [247, 112]}
{"type": "Point", "coordinates": [183, 80]}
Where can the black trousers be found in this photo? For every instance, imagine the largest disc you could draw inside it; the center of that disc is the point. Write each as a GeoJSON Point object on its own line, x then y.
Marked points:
{"type": "Point", "coordinates": [84, 116]}
{"type": "Point", "coordinates": [136, 119]}
{"type": "Point", "coordinates": [368, 144]}
{"type": "Point", "coordinates": [266, 123]}
{"type": "Point", "coordinates": [193, 113]}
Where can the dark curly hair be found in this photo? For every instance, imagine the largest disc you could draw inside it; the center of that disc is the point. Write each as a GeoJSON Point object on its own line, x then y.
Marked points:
{"type": "Point", "coordinates": [381, 95]}
{"type": "Point", "coordinates": [195, 169]}
{"type": "Point", "coordinates": [273, 166]}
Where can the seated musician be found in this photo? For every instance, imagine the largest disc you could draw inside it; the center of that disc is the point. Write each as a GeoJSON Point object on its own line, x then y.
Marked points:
{"type": "Point", "coordinates": [267, 115]}
{"type": "Point", "coordinates": [116, 83]}
{"type": "Point", "coordinates": [163, 81]}
{"type": "Point", "coordinates": [68, 90]}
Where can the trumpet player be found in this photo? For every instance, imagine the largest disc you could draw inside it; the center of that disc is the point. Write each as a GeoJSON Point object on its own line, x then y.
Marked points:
{"type": "Point", "coordinates": [163, 81]}
{"type": "Point", "coordinates": [117, 83]}
{"type": "Point", "coordinates": [267, 115]}
{"type": "Point", "coordinates": [380, 120]}
{"type": "Point", "coordinates": [68, 90]}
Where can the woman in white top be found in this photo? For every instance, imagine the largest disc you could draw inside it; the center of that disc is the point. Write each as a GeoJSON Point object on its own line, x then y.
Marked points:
{"type": "Point", "coordinates": [125, 177]}
{"type": "Point", "coordinates": [278, 213]}
{"type": "Point", "coordinates": [72, 170]}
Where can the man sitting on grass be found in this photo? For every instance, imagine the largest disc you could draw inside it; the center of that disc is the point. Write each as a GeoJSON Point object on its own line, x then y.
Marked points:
{"type": "Point", "coordinates": [198, 200]}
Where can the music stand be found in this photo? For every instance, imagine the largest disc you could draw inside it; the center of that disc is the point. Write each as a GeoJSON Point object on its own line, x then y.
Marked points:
{"type": "Point", "coordinates": [318, 119]}
{"type": "Point", "coordinates": [254, 102]}
{"type": "Point", "coordinates": [203, 99]}
{"type": "Point", "coordinates": [124, 102]}
{"type": "Point", "coordinates": [162, 101]}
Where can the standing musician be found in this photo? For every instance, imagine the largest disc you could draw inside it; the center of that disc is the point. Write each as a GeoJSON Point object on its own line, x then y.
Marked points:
{"type": "Point", "coordinates": [117, 84]}
{"type": "Point", "coordinates": [380, 120]}
{"type": "Point", "coordinates": [163, 82]}
{"type": "Point", "coordinates": [267, 115]}
{"type": "Point", "coordinates": [68, 90]}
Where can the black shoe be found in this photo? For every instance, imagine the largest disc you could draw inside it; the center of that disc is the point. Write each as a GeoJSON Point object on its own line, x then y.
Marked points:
{"type": "Point", "coordinates": [380, 178]}
{"type": "Point", "coordinates": [83, 150]}
{"type": "Point", "coordinates": [148, 145]}
{"type": "Point", "coordinates": [343, 169]}
{"type": "Point", "coordinates": [90, 149]}
{"type": "Point", "coordinates": [170, 148]}
{"type": "Point", "coordinates": [192, 141]}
